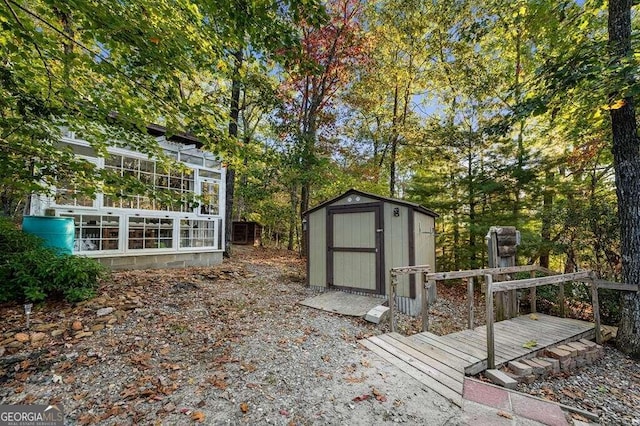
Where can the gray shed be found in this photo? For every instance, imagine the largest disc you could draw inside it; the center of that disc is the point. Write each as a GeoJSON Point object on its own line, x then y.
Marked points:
{"type": "Point", "coordinates": [357, 237]}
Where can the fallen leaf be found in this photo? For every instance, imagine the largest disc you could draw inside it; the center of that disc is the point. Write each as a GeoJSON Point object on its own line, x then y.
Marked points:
{"type": "Point", "coordinates": [505, 415]}
{"type": "Point", "coordinates": [284, 413]}
{"type": "Point", "coordinates": [351, 379]}
{"type": "Point", "coordinates": [533, 317]}
{"type": "Point", "coordinates": [326, 358]}
{"type": "Point", "coordinates": [361, 398]}
{"type": "Point", "coordinates": [244, 407]}
{"type": "Point", "coordinates": [198, 416]}
{"type": "Point", "coordinates": [365, 363]}
{"type": "Point", "coordinates": [530, 344]}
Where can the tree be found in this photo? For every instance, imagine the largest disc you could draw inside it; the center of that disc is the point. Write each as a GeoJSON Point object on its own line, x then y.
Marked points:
{"type": "Point", "coordinates": [626, 160]}
{"type": "Point", "coordinates": [329, 54]}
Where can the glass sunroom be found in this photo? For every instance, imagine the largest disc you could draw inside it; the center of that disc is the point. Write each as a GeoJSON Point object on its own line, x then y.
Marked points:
{"type": "Point", "coordinates": [136, 231]}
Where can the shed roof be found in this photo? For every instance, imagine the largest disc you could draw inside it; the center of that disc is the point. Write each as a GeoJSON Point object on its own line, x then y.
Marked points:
{"type": "Point", "coordinates": [353, 191]}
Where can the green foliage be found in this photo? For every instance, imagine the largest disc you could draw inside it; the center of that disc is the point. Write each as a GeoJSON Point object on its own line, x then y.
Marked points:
{"type": "Point", "coordinates": [31, 272]}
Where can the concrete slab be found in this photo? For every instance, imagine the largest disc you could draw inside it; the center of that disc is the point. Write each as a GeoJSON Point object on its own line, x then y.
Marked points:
{"type": "Point", "coordinates": [343, 303]}
{"type": "Point", "coordinates": [486, 395]}
{"type": "Point", "coordinates": [540, 411]}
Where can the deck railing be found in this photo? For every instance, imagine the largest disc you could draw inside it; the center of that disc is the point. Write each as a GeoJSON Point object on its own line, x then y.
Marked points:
{"type": "Point", "coordinates": [587, 277]}
{"type": "Point", "coordinates": [430, 278]}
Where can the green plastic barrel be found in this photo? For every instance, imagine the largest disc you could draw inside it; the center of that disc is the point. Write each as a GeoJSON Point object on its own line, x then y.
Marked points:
{"type": "Point", "coordinates": [57, 232]}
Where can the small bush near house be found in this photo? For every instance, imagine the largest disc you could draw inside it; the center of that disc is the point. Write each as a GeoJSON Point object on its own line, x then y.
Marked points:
{"type": "Point", "coordinates": [31, 272]}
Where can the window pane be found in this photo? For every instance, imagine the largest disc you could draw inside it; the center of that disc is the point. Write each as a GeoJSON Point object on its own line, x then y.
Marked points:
{"type": "Point", "coordinates": [94, 232]}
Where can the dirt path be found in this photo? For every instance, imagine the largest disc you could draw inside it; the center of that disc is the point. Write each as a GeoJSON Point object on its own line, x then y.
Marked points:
{"type": "Point", "coordinates": [219, 345]}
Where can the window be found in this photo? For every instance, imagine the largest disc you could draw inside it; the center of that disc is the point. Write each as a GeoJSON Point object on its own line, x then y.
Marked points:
{"type": "Point", "coordinates": [210, 192]}
{"type": "Point", "coordinates": [150, 233]}
{"type": "Point", "coordinates": [197, 233]}
{"type": "Point", "coordinates": [67, 194]}
{"type": "Point", "coordinates": [94, 232]}
{"type": "Point", "coordinates": [173, 187]}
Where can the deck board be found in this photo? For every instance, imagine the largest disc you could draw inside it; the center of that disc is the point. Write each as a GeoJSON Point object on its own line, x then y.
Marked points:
{"type": "Point", "coordinates": [440, 362]}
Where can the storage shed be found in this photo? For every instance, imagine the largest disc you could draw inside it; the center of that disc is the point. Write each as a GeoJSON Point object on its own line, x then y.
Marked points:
{"type": "Point", "coordinates": [357, 237]}
{"type": "Point", "coordinates": [246, 233]}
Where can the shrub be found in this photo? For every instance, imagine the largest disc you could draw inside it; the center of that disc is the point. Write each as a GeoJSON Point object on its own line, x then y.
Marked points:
{"type": "Point", "coordinates": [31, 272]}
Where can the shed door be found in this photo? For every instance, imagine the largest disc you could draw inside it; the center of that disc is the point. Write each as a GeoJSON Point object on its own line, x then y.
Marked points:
{"type": "Point", "coordinates": [354, 248]}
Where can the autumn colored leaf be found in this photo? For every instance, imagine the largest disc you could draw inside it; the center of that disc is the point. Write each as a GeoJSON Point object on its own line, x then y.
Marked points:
{"type": "Point", "coordinates": [505, 414]}
{"type": "Point", "coordinates": [244, 407]}
{"type": "Point", "coordinates": [351, 379]}
{"type": "Point", "coordinates": [361, 398]}
{"type": "Point", "coordinates": [198, 416]}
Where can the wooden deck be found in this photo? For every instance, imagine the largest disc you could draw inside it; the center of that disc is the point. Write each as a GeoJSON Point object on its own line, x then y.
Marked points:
{"type": "Point", "coordinates": [441, 362]}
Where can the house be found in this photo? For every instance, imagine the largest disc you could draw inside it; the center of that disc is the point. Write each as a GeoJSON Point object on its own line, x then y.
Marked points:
{"type": "Point", "coordinates": [356, 238]}
{"type": "Point", "coordinates": [138, 232]}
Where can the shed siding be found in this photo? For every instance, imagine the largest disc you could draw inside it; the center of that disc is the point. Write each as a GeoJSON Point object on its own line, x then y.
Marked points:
{"type": "Point", "coordinates": [345, 200]}
{"type": "Point", "coordinates": [424, 237]}
{"type": "Point", "coordinates": [318, 248]}
{"type": "Point", "coordinates": [396, 241]}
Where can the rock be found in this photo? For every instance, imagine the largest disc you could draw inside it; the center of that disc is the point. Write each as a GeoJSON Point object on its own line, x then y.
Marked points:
{"type": "Point", "coordinates": [104, 311]}
{"type": "Point", "coordinates": [112, 321]}
{"type": "Point", "coordinates": [38, 336]}
{"type": "Point", "coordinates": [2, 350]}
{"type": "Point", "coordinates": [22, 337]}
{"type": "Point", "coordinates": [56, 333]}
{"type": "Point", "coordinates": [97, 327]}
{"type": "Point", "coordinates": [44, 327]}
{"type": "Point", "coordinates": [77, 326]}
{"type": "Point", "coordinates": [170, 407]}
{"type": "Point", "coordinates": [14, 344]}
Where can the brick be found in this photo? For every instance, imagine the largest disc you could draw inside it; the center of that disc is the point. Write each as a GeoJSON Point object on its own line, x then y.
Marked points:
{"type": "Point", "coordinates": [537, 368]}
{"type": "Point", "coordinates": [529, 379]}
{"type": "Point", "coordinates": [558, 354]}
{"type": "Point", "coordinates": [592, 355]}
{"type": "Point", "coordinates": [520, 369]}
{"type": "Point", "coordinates": [555, 364]}
{"type": "Point", "coordinates": [548, 368]}
{"type": "Point", "coordinates": [588, 343]}
{"type": "Point", "coordinates": [567, 364]}
{"type": "Point", "coordinates": [500, 378]}
{"type": "Point", "coordinates": [572, 351]}
{"type": "Point", "coordinates": [578, 346]}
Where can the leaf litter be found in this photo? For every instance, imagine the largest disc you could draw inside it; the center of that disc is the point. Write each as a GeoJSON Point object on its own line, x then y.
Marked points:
{"type": "Point", "coordinates": [206, 345]}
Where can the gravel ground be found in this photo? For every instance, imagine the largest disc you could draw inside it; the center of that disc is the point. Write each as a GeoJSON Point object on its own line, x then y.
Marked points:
{"type": "Point", "coordinates": [231, 345]}
{"type": "Point", "coordinates": [224, 345]}
{"type": "Point", "coordinates": [609, 388]}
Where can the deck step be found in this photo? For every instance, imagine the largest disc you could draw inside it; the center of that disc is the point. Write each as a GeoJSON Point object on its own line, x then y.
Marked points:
{"type": "Point", "coordinates": [440, 362]}
{"type": "Point", "coordinates": [441, 383]}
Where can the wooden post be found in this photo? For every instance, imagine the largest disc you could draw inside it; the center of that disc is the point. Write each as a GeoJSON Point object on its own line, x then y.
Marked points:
{"type": "Point", "coordinates": [491, 357]}
{"type": "Point", "coordinates": [561, 299]}
{"type": "Point", "coordinates": [596, 311]}
{"type": "Point", "coordinates": [392, 300]}
{"type": "Point", "coordinates": [532, 294]}
{"type": "Point", "coordinates": [470, 301]}
{"type": "Point", "coordinates": [426, 290]}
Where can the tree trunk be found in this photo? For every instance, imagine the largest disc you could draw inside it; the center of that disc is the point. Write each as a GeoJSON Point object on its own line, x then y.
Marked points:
{"type": "Point", "coordinates": [626, 161]}
{"type": "Point", "coordinates": [547, 206]}
{"type": "Point", "coordinates": [233, 133]}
